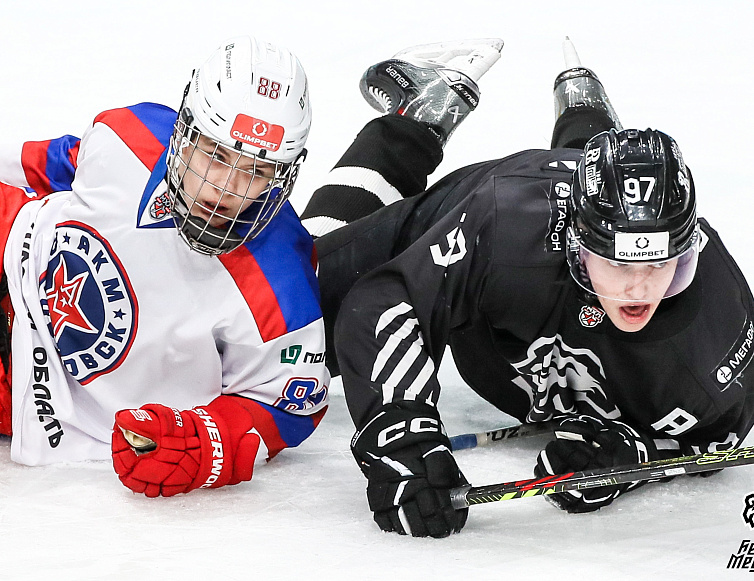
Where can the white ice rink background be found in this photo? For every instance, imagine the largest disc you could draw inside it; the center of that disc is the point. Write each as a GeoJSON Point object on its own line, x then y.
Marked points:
{"type": "Point", "coordinates": [682, 67]}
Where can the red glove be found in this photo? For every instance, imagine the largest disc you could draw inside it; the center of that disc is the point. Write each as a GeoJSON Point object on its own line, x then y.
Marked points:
{"type": "Point", "coordinates": [205, 447]}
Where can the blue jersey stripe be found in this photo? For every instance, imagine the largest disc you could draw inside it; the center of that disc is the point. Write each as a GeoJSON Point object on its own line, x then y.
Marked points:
{"type": "Point", "coordinates": [293, 429]}
{"type": "Point", "coordinates": [59, 169]}
{"type": "Point", "coordinates": [159, 119]}
{"type": "Point", "coordinates": [283, 252]}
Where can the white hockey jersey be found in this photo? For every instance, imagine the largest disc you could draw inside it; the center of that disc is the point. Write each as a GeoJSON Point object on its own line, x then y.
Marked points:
{"type": "Point", "coordinates": [113, 310]}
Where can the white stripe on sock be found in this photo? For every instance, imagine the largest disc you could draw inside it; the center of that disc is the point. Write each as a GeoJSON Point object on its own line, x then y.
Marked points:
{"type": "Point", "coordinates": [321, 225]}
{"type": "Point", "coordinates": [367, 179]}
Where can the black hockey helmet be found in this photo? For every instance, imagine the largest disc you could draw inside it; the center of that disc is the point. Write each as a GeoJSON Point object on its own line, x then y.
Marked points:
{"type": "Point", "coordinates": [633, 202]}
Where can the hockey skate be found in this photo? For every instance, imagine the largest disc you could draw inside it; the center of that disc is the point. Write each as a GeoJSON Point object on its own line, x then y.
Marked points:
{"type": "Point", "coordinates": [579, 93]}
{"type": "Point", "coordinates": [433, 83]}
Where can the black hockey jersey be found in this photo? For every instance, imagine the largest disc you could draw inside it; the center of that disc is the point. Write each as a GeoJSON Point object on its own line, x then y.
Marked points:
{"type": "Point", "coordinates": [478, 263]}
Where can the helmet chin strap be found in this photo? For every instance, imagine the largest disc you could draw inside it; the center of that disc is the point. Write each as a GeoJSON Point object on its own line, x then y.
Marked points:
{"type": "Point", "coordinates": [199, 235]}
{"type": "Point", "coordinates": [207, 239]}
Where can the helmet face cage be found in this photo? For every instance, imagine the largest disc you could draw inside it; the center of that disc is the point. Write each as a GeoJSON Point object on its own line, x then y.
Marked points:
{"type": "Point", "coordinates": [222, 198]}
{"type": "Point", "coordinates": [237, 144]}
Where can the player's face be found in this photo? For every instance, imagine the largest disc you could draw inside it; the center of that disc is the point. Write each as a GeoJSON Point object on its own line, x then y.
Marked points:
{"type": "Point", "coordinates": [220, 182]}
{"type": "Point", "coordinates": [635, 289]}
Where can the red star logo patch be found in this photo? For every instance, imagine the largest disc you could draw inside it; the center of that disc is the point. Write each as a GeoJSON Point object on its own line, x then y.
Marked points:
{"type": "Point", "coordinates": [63, 300]}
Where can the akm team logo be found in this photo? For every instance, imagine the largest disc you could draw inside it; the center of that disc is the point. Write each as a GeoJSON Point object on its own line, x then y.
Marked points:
{"type": "Point", "coordinates": [160, 207]}
{"type": "Point", "coordinates": [88, 297]}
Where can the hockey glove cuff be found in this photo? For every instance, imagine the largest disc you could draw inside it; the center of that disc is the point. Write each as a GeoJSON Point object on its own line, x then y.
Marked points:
{"type": "Point", "coordinates": [586, 443]}
{"type": "Point", "coordinates": [406, 458]}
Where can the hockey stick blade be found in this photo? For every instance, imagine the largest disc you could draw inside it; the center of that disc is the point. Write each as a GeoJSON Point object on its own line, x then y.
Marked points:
{"type": "Point", "coordinates": [468, 441]}
{"type": "Point", "coordinates": [465, 496]}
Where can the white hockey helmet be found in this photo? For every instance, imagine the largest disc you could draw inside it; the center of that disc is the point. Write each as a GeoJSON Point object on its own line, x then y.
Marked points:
{"type": "Point", "coordinates": [242, 125]}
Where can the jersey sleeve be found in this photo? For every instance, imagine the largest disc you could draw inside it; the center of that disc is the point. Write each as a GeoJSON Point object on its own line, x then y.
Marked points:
{"type": "Point", "coordinates": [287, 379]}
{"type": "Point", "coordinates": [50, 166]}
{"type": "Point", "coordinates": [284, 373]}
{"type": "Point", "coordinates": [394, 324]}
{"type": "Point", "coordinates": [728, 430]}
{"type": "Point", "coordinates": [719, 350]}
{"type": "Point", "coordinates": [40, 166]}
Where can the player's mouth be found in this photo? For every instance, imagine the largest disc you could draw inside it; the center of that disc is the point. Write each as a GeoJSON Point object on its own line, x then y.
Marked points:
{"type": "Point", "coordinates": [635, 314]}
{"type": "Point", "coordinates": [215, 216]}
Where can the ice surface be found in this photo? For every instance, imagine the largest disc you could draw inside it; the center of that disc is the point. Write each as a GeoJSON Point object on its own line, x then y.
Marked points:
{"type": "Point", "coordinates": [684, 68]}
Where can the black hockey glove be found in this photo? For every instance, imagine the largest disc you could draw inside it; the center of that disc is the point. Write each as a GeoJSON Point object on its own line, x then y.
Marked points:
{"type": "Point", "coordinates": [406, 457]}
{"type": "Point", "coordinates": [586, 443]}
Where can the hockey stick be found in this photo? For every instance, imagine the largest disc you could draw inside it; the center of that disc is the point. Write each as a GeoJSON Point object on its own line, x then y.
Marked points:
{"type": "Point", "coordinates": [468, 441]}
{"type": "Point", "coordinates": [465, 496]}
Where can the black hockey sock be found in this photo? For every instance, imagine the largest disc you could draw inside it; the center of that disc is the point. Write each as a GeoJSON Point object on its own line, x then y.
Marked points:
{"type": "Point", "coordinates": [389, 160]}
{"type": "Point", "coordinates": [577, 125]}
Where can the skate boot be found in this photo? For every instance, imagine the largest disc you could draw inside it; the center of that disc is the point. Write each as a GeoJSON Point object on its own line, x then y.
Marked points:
{"type": "Point", "coordinates": [434, 83]}
{"type": "Point", "coordinates": [582, 108]}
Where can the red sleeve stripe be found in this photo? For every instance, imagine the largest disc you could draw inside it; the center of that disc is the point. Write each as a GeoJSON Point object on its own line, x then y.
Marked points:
{"type": "Point", "coordinates": [34, 160]}
{"type": "Point", "coordinates": [73, 154]}
{"type": "Point", "coordinates": [314, 257]}
{"type": "Point", "coordinates": [268, 429]}
{"type": "Point", "coordinates": [257, 292]}
{"type": "Point", "coordinates": [11, 201]}
{"type": "Point", "coordinates": [139, 139]}
{"type": "Point", "coordinates": [317, 417]}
